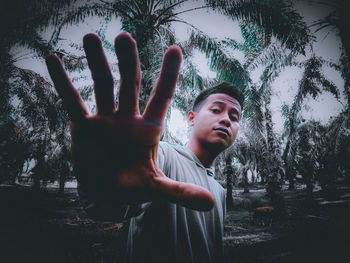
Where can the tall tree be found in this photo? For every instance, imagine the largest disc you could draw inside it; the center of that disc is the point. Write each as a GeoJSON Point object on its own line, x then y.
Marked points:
{"type": "Point", "coordinates": [337, 20]}
{"type": "Point", "coordinates": [229, 174]}
{"type": "Point", "coordinates": [312, 83]}
{"type": "Point", "coordinates": [20, 24]}
{"type": "Point", "coordinates": [274, 34]}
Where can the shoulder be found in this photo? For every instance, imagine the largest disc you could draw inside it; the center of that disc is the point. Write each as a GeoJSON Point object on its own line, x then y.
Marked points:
{"type": "Point", "coordinates": [166, 153]}
{"type": "Point", "coordinates": [168, 148]}
{"type": "Point", "coordinates": [164, 145]}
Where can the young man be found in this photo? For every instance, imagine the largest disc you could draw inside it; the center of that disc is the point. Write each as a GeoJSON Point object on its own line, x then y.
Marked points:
{"type": "Point", "coordinates": [176, 207]}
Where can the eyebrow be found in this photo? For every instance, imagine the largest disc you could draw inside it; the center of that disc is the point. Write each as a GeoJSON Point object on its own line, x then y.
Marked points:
{"type": "Point", "coordinates": [234, 109]}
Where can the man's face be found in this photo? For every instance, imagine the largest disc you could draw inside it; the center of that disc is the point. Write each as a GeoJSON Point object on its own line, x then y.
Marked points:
{"type": "Point", "coordinates": [217, 121]}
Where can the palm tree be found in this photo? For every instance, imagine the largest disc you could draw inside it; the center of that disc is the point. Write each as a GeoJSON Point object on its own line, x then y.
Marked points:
{"type": "Point", "coordinates": [277, 18]}
{"type": "Point", "coordinates": [150, 24]}
{"type": "Point", "coordinates": [337, 19]}
{"type": "Point", "coordinates": [40, 116]}
{"type": "Point", "coordinates": [312, 83]}
{"type": "Point", "coordinates": [259, 49]}
{"type": "Point", "coordinates": [229, 173]}
{"type": "Point", "coordinates": [305, 161]}
{"type": "Point", "coordinates": [37, 112]}
{"type": "Point", "coordinates": [147, 21]}
{"type": "Point", "coordinates": [274, 34]}
{"type": "Point", "coordinates": [334, 147]}
{"type": "Point", "coordinates": [244, 154]}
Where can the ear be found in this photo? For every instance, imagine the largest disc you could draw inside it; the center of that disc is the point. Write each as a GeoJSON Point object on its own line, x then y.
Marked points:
{"type": "Point", "coordinates": [190, 118]}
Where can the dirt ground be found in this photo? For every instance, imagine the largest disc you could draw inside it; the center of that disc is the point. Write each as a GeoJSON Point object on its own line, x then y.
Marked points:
{"type": "Point", "coordinates": [48, 227]}
{"type": "Point", "coordinates": [305, 231]}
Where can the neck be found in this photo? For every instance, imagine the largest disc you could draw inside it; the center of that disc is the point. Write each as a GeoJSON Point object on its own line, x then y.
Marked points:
{"type": "Point", "coordinates": [205, 154]}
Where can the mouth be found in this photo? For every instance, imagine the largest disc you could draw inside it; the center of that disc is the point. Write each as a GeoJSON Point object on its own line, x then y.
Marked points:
{"type": "Point", "coordinates": [222, 130]}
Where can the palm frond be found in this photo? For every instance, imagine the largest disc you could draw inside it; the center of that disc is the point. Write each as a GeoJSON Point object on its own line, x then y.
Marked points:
{"type": "Point", "coordinates": [227, 68]}
{"type": "Point", "coordinates": [79, 14]}
{"type": "Point", "coordinates": [313, 80]}
{"type": "Point", "coordinates": [273, 56]}
{"type": "Point", "coordinates": [190, 83]}
{"type": "Point", "coordinates": [253, 108]}
{"type": "Point", "coordinates": [331, 20]}
{"type": "Point", "coordinates": [37, 44]}
{"type": "Point", "coordinates": [33, 91]}
{"type": "Point", "coordinates": [278, 18]}
{"type": "Point", "coordinates": [285, 111]}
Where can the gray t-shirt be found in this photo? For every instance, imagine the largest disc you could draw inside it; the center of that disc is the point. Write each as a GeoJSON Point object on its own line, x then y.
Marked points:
{"type": "Point", "coordinates": [166, 232]}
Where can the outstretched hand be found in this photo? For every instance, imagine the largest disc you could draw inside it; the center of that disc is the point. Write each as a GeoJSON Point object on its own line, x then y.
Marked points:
{"type": "Point", "coordinates": [114, 152]}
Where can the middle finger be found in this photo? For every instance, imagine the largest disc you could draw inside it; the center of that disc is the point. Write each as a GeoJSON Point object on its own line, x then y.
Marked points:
{"type": "Point", "coordinates": [130, 74]}
{"type": "Point", "coordinates": [101, 74]}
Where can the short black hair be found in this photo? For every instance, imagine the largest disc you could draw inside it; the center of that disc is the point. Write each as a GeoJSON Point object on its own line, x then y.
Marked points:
{"type": "Point", "coordinates": [225, 88]}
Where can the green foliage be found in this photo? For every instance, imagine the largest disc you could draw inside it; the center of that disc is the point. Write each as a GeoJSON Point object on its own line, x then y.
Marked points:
{"type": "Point", "coordinates": [313, 78]}
{"type": "Point", "coordinates": [41, 127]}
{"type": "Point", "coordinates": [36, 125]}
{"type": "Point", "coordinates": [277, 18]}
{"type": "Point", "coordinates": [253, 108]}
{"type": "Point", "coordinates": [312, 83]}
{"type": "Point", "coordinates": [335, 148]}
{"type": "Point", "coordinates": [320, 152]}
{"type": "Point", "coordinates": [227, 68]}
{"type": "Point", "coordinates": [344, 68]}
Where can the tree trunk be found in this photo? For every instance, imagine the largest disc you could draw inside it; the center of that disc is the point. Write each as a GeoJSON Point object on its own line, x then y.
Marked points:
{"type": "Point", "coordinates": [36, 182]}
{"type": "Point", "coordinates": [39, 168]}
{"type": "Point", "coordinates": [274, 168]}
{"type": "Point", "coordinates": [288, 173]}
{"type": "Point", "coordinates": [254, 179]}
{"type": "Point", "coordinates": [290, 176]}
{"type": "Point", "coordinates": [229, 173]}
{"type": "Point", "coordinates": [62, 182]}
{"type": "Point", "coordinates": [262, 180]}
{"type": "Point", "coordinates": [309, 187]}
{"type": "Point", "coordinates": [245, 182]}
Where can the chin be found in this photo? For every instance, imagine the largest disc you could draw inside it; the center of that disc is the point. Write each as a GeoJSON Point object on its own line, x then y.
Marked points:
{"type": "Point", "coordinates": [218, 145]}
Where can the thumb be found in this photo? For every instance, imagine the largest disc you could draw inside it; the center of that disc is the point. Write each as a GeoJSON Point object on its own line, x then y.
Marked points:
{"type": "Point", "coordinates": [185, 194]}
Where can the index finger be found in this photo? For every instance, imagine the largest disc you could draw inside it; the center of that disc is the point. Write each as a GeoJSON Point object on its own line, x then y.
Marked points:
{"type": "Point", "coordinates": [70, 96]}
{"type": "Point", "coordinates": [163, 92]}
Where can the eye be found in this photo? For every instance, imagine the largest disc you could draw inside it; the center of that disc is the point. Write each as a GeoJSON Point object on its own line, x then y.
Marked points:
{"type": "Point", "coordinates": [233, 118]}
{"type": "Point", "coordinates": [215, 110]}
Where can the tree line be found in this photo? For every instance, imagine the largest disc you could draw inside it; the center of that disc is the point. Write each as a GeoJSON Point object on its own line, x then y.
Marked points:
{"type": "Point", "coordinates": [34, 126]}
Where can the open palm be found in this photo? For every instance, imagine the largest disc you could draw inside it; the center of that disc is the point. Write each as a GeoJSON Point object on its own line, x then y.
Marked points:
{"type": "Point", "coordinates": [115, 151]}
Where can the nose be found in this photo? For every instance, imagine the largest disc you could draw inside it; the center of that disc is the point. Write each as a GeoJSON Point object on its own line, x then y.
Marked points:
{"type": "Point", "coordinates": [225, 120]}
